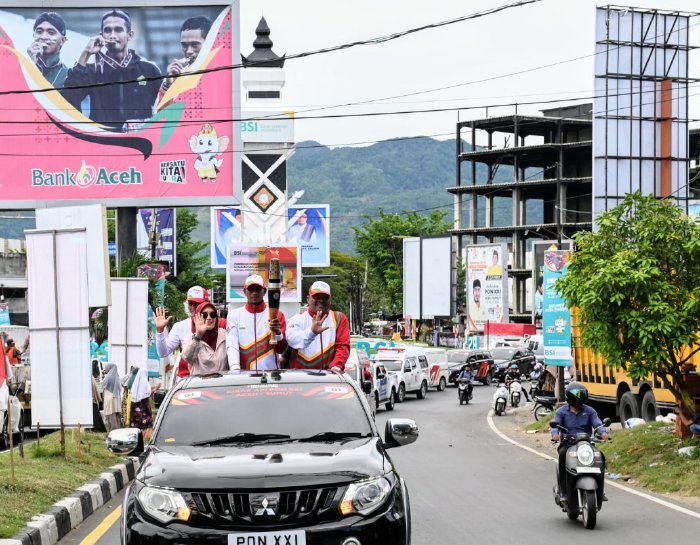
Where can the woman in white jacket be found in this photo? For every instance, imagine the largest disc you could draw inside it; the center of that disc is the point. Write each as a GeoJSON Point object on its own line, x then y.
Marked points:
{"type": "Point", "coordinates": [206, 349]}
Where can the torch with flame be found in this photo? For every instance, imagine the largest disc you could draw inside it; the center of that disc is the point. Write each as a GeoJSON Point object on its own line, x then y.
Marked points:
{"type": "Point", "coordinates": [273, 293]}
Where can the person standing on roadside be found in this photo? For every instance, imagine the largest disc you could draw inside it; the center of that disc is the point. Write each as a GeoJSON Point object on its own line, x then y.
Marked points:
{"type": "Point", "coordinates": [111, 388]}
{"type": "Point", "coordinates": [249, 331]}
{"type": "Point", "coordinates": [320, 336]}
{"type": "Point", "coordinates": [5, 379]}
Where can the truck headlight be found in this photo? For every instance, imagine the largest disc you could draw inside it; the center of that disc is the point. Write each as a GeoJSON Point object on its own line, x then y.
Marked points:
{"type": "Point", "coordinates": [363, 497]}
{"type": "Point", "coordinates": [585, 455]}
{"type": "Point", "coordinates": [164, 504]}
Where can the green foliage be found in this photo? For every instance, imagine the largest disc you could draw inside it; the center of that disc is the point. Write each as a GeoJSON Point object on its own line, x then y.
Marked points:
{"type": "Point", "coordinates": [635, 282]}
{"type": "Point", "coordinates": [461, 297]}
{"type": "Point", "coordinates": [380, 242]}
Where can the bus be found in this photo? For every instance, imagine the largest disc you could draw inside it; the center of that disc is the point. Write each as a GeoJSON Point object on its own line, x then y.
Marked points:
{"type": "Point", "coordinates": [610, 388]}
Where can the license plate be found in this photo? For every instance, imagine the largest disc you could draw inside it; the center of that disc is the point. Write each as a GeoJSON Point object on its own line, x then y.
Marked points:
{"type": "Point", "coordinates": [292, 537]}
{"type": "Point", "coordinates": [587, 470]}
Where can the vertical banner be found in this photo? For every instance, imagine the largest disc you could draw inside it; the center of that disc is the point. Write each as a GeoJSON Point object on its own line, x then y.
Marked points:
{"type": "Point", "coordinates": [247, 259]}
{"type": "Point", "coordinates": [226, 227]}
{"type": "Point", "coordinates": [57, 300]}
{"type": "Point", "coordinates": [539, 247]}
{"type": "Point", "coordinates": [4, 314]}
{"type": "Point", "coordinates": [128, 324]}
{"type": "Point", "coordinates": [556, 317]}
{"type": "Point", "coordinates": [487, 284]}
{"type": "Point", "coordinates": [309, 226]}
{"type": "Point", "coordinates": [163, 223]}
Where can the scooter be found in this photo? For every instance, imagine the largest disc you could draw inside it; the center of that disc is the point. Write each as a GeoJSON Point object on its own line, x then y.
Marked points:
{"type": "Point", "coordinates": [544, 405]}
{"type": "Point", "coordinates": [464, 390]}
{"type": "Point", "coordinates": [516, 392]}
{"type": "Point", "coordinates": [500, 399]}
{"type": "Point", "coordinates": [585, 476]}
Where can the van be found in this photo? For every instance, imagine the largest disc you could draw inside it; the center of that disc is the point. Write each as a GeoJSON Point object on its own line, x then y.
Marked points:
{"type": "Point", "coordinates": [437, 368]}
{"type": "Point", "coordinates": [412, 374]}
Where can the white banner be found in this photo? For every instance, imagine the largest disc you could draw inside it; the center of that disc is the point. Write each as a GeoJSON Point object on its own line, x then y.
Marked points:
{"type": "Point", "coordinates": [128, 324]}
{"type": "Point", "coordinates": [57, 296]}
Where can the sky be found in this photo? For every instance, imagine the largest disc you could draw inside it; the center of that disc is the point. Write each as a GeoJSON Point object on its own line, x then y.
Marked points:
{"type": "Point", "coordinates": [457, 55]}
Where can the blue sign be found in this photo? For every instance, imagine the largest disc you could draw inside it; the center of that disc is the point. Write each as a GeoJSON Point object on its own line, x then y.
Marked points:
{"type": "Point", "coordinates": [4, 314]}
{"type": "Point", "coordinates": [112, 246]}
{"type": "Point", "coordinates": [556, 316]}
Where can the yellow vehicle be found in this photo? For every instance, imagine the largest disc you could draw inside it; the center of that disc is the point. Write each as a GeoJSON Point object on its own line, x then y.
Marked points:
{"type": "Point", "coordinates": [614, 388]}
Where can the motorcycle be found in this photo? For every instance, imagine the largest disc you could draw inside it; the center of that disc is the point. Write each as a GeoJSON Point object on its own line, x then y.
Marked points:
{"type": "Point", "coordinates": [516, 393]}
{"type": "Point", "coordinates": [585, 476]}
{"type": "Point", "coordinates": [464, 390]}
{"type": "Point", "coordinates": [483, 372]}
{"type": "Point", "coordinates": [544, 405]}
{"type": "Point", "coordinates": [500, 399]}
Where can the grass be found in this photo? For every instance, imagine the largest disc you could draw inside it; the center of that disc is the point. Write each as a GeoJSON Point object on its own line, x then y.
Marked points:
{"type": "Point", "coordinates": [649, 454]}
{"type": "Point", "coordinates": [541, 424]}
{"type": "Point", "coordinates": [43, 477]}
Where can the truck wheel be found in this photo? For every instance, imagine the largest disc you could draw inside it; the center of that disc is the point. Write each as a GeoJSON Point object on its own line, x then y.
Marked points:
{"type": "Point", "coordinates": [423, 390]}
{"type": "Point", "coordinates": [628, 407]}
{"type": "Point", "coordinates": [649, 410]}
{"type": "Point", "coordinates": [442, 384]}
{"type": "Point", "coordinates": [389, 405]}
{"type": "Point", "coordinates": [402, 393]}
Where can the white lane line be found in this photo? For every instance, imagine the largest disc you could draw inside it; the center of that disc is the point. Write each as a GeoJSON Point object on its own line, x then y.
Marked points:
{"type": "Point", "coordinates": [665, 503]}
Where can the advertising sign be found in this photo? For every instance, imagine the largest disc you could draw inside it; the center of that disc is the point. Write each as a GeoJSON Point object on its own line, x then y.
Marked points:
{"type": "Point", "coordinates": [226, 227]}
{"type": "Point", "coordinates": [539, 247]}
{"type": "Point", "coordinates": [164, 227]}
{"type": "Point", "coordinates": [309, 226]}
{"type": "Point", "coordinates": [247, 259]}
{"type": "Point", "coordinates": [122, 105]}
{"type": "Point", "coordinates": [267, 127]}
{"type": "Point", "coordinates": [556, 317]}
{"type": "Point", "coordinates": [4, 314]}
{"type": "Point", "coordinates": [487, 284]}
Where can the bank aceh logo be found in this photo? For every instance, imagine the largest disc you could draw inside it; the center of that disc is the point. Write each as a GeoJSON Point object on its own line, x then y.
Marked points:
{"type": "Point", "coordinates": [86, 176]}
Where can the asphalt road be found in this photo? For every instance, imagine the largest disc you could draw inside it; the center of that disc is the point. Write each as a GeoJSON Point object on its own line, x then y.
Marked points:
{"type": "Point", "coordinates": [467, 484]}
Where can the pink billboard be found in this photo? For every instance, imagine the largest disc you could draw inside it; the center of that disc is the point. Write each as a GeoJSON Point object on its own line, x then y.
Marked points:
{"type": "Point", "coordinates": [129, 105]}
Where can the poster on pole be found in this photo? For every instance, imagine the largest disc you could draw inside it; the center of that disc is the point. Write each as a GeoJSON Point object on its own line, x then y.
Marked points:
{"type": "Point", "coordinates": [57, 297]}
{"type": "Point", "coordinates": [487, 284]}
{"type": "Point", "coordinates": [247, 259]}
{"type": "Point", "coordinates": [128, 324]}
{"type": "Point", "coordinates": [226, 227]}
{"type": "Point", "coordinates": [539, 247]}
{"type": "Point", "coordinates": [556, 316]}
{"type": "Point", "coordinates": [4, 314]}
{"type": "Point", "coordinates": [309, 226]}
{"type": "Point", "coordinates": [163, 223]}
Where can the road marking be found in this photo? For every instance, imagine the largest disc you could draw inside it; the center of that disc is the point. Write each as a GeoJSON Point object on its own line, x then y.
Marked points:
{"type": "Point", "coordinates": [102, 528]}
{"type": "Point", "coordinates": [649, 497]}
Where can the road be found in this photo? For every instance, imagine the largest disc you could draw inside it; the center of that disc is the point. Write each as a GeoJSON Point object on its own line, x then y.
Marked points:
{"type": "Point", "coordinates": [468, 484]}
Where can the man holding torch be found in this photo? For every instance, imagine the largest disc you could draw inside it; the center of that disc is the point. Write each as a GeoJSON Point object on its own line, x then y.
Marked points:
{"type": "Point", "coordinates": [254, 335]}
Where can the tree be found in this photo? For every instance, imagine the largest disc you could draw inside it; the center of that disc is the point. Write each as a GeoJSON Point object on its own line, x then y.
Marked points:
{"type": "Point", "coordinates": [379, 241]}
{"type": "Point", "coordinates": [461, 297]}
{"type": "Point", "coordinates": [635, 283]}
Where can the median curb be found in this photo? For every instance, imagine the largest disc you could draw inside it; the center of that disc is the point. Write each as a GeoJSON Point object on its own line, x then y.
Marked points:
{"type": "Point", "coordinates": [64, 515]}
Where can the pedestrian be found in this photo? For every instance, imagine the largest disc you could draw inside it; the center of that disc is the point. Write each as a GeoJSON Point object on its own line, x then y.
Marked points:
{"type": "Point", "coordinates": [112, 397]}
{"type": "Point", "coordinates": [205, 350]}
{"type": "Point", "coordinates": [320, 336]}
{"type": "Point", "coordinates": [249, 331]}
{"type": "Point", "coordinates": [167, 343]}
{"type": "Point", "coordinates": [141, 414]}
{"type": "Point", "coordinates": [5, 380]}
{"type": "Point", "coordinates": [12, 352]}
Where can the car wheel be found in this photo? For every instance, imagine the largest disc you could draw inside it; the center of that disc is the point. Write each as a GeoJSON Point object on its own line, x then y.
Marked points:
{"type": "Point", "coordinates": [423, 390]}
{"type": "Point", "coordinates": [389, 405]}
{"type": "Point", "coordinates": [402, 393]}
{"type": "Point", "coordinates": [628, 407]}
{"type": "Point", "coordinates": [442, 384]}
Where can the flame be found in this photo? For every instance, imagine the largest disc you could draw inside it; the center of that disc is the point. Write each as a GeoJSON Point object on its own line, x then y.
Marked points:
{"type": "Point", "coordinates": [83, 174]}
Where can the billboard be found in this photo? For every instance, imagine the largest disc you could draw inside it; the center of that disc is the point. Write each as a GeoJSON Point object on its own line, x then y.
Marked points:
{"type": "Point", "coordinates": [487, 284]}
{"type": "Point", "coordinates": [135, 106]}
{"type": "Point", "coordinates": [556, 317]}
{"type": "Point", "coordinates": [272, 127]}
{"type": "Point", "coordinates": [411, 277]}
{"type": "Point", "coordinates": [309, 226]}
{"type": "Point", "coordinates": [226, 227]}
{"type": "Point", "coordinates": [539, 247]}
{"type": "Point", "coordinates": [436, 276]}
{"type": "Point", "coordinates": [247, 259]}
{"type": "Point", "coordinates": [164, 227]}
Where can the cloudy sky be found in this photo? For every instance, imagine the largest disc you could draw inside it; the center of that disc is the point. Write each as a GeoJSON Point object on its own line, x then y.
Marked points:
{"type": "Point", "coordinates": [456, 56]}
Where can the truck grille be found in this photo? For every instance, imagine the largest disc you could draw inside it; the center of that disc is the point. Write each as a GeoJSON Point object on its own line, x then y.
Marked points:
{"type": "Point", "coordinates": [265, 506]}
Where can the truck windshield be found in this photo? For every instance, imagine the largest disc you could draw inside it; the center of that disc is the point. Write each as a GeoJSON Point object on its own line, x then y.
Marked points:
{"type": "Point", "coordinates": [393, 365]}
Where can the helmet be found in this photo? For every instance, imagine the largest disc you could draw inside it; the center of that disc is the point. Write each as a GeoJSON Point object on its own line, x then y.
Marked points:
{"type": "Point", "coordinates": [514, 366]}
{"type": "Point", "coordinates": [576, 394]}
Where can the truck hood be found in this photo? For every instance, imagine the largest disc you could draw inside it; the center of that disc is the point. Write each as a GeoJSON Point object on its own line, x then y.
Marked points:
{"type": "Point", "coordinates": [274, 465]}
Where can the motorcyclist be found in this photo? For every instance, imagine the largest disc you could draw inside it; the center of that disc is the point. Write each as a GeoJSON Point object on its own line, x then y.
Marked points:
{"type": "Point", "coordinates": [576, 417]}
{"type": "Point", "coordinates": [467, 374]}
{"type": "Point", "coordinates": [513, 374]}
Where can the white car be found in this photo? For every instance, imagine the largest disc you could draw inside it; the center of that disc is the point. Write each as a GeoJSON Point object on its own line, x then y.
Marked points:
{"type": "Point", "coordinates": [358, 367]}
{"type": "Point", "coordinates": [386, 386]}
{"type": "Point", "coordinates": [403, 361]}
{"type": "Point", "coordinates": [437, 367]}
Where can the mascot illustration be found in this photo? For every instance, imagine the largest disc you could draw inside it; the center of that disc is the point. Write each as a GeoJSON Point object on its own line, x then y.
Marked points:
{"type": "Point", "coordinates": [207, 147]}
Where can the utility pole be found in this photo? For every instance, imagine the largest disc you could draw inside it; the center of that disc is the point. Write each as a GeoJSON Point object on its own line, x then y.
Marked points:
{"type": "Point", "coordinates": [557, 212]}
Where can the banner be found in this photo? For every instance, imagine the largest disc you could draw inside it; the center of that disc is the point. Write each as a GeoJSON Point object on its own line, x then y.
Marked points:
{"type": "Point", "coordinates": [487, 284]}
{"type": "Point", "coordinates": [556, 317]}
{"type": "Point", "coordinates": [274, 127]}
{"type": "Point", "coordinates": [114, 115]}
{"type": "Point", "coordinates": [539, 247]}
{"type": "Point", "coordinates": [247, 259]}
{"type": "Point", "coordinates": [308, 226]}
{"type": "Point", "coordinates": [4, 314]}
{"type": "Point", "coordinates": [165, 235]}
{"type": "Point", "coordinates": [226, 227]}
